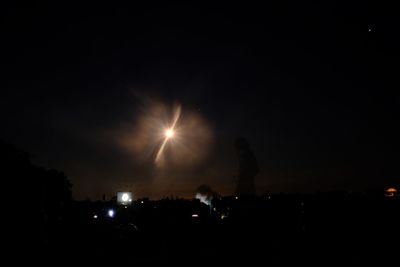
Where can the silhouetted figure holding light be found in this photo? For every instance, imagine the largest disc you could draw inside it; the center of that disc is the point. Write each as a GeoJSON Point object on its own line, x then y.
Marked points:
{"type": "Point", "coordinates": [248, 168]}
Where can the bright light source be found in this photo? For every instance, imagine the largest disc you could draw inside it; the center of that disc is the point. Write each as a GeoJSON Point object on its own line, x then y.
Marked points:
{"type": "Point", "coordinates": [195, 215]}
{"type": "Point", "coordinates": [142, 201]}
{"type": "Point", "coordinates": [111, 213]}
{"type": "Point", "coordinates": [236, 197]}
{"type": "Point", "coordinates": [169, 133]}
{"type": "Point", "coordinates": [95, 216]}
{"type": "Point", "coordinates": [125, 197]}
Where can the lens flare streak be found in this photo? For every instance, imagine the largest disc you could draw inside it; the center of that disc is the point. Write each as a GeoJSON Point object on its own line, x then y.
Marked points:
{"type": "Point", "coordinates": [169, 133]}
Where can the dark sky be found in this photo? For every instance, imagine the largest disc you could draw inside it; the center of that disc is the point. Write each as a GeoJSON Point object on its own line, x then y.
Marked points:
{"type": "Point", "coordinates": [311, 85]}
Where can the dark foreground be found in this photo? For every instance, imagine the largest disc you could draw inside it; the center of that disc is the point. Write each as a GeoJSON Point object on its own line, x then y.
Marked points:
{"type": "Point", "coordinates": [323, 229]}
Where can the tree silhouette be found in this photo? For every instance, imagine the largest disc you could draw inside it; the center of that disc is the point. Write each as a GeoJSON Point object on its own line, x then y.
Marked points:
{"type": "Point", "coordinates": [36, 196]}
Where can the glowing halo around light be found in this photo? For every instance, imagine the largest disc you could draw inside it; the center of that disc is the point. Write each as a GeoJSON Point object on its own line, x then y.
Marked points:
{"type": "Point", "coordinates": [170, 137]}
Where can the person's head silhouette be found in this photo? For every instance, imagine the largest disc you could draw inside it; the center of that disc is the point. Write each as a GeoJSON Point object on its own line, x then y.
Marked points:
{"type": "Point", "coordinates": [241, 143]}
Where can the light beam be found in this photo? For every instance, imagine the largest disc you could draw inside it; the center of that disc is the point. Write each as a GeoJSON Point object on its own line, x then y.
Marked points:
{"type": "Point", "coordinates": [169, 133]}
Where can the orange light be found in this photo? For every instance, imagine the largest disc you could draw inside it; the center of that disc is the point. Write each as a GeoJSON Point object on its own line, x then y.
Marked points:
{"type": "Point", "coordinates": [391, 190]}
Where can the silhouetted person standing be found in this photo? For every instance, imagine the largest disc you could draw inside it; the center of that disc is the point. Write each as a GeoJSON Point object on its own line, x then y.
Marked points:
{"type": "Point", "coordinates": [248, 168]}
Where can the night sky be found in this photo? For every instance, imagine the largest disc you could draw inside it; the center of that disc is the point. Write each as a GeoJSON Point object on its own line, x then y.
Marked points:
{"type": "Point", "coordinates": [311, 86]}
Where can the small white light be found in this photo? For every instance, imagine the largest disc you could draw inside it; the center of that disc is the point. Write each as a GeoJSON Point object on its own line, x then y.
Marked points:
{"type": "Point", "coordinates": [95, 216]}
{"type": "Point", "coordinates": [111, 213]}
{"type": "Point", "coordinates": [236, 197]}
{"type": "Point", "coordinates": [142, 201]}
{"type": "Point", "coordinates": [195, 215]}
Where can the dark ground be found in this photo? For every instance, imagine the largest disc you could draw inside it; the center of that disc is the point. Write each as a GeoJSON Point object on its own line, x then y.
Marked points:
{"type": "Point", "coordinates": [325, 230]}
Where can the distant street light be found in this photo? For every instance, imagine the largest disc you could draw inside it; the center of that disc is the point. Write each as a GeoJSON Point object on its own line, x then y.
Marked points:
{"type": "Point", "coordinates": [111, 213]}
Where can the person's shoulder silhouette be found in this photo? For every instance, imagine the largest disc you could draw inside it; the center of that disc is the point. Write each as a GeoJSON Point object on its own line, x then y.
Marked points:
{"type": "Point", "coordinates": [247, 167]}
